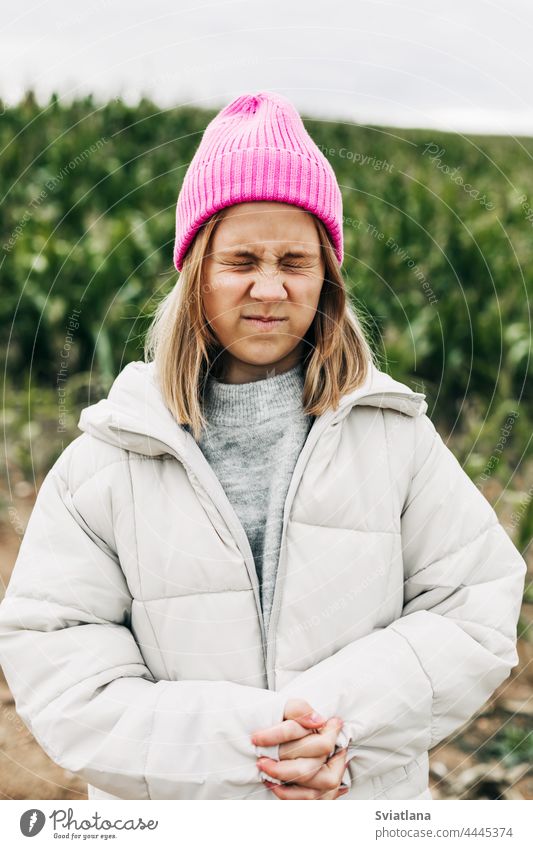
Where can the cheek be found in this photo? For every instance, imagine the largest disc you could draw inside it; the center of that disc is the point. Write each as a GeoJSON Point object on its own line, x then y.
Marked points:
{"type": "Point", "coordinates": [222, 299]}
{"type": "Point", "coordinates": [304, 295]}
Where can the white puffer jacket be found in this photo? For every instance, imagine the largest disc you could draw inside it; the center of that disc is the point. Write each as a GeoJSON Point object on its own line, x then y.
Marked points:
{"type": "Point", "coordinates": [131, 633]}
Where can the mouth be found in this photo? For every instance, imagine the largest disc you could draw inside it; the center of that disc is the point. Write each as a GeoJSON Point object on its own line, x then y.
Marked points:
{"type": "Point", "coordinates": [264, 324]}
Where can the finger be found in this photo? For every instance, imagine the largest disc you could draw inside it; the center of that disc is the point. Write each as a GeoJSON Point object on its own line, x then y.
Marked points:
{"type": "Point", "coordinates": [302, 712]}
{"type": "Point", "coordinates": [331, 773]}
{"type": "Point", "coordinates": [313, 745]}
{"type": "Point", "coordinates": [326, 795]}
{"type": "Point", "coordinates": [299, 769]}
{"type": "Point", "coordinates": [342, 791]}
{"type": "Point", "coordinates": [329, 776]}
{"type": "Point", "coordinates": [294, 791]}
{"type": "Point", "coordinates": [287, 730]}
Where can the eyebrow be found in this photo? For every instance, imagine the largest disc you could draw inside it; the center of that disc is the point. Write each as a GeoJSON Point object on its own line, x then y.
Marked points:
{"type": "Point", "coordinates": [249, 254]}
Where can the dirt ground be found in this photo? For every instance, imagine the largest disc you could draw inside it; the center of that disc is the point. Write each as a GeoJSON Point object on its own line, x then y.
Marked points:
{"type": "Point", "coordinates": [460, 767]}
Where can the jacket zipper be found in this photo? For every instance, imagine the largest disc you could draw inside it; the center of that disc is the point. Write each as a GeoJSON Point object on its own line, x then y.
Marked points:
{"type": "Point", "coordinates": [233, 522]}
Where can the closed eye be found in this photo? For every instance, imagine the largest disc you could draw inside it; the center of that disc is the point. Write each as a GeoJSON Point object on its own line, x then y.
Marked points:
{"type": "Point", "coordinates": [249, 265]}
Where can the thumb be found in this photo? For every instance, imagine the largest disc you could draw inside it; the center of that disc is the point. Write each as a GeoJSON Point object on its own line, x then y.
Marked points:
{"type": "Point", "coordinates": [302, 712]}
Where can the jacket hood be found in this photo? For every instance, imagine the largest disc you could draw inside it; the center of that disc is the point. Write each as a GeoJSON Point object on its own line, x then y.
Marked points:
{"type": "Point", "coordinates": [134, 415]}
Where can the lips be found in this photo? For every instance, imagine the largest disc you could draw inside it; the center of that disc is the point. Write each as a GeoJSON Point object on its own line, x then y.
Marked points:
{"type": "Point", "coordinates": [264, 323]}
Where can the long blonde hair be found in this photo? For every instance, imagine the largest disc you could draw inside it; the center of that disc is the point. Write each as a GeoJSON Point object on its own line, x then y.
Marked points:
{"type": "Point", "coordinates": [185, 349]}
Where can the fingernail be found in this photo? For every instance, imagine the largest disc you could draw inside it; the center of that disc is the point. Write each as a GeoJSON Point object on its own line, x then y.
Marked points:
{"type": "Point", "coordinates": [315, 717]}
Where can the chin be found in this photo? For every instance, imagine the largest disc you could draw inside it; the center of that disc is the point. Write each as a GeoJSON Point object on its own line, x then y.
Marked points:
{"type": "Point", "coordinates": [259, 355]}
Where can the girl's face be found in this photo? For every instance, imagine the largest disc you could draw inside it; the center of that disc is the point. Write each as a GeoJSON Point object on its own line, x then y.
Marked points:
{"type": "Point", "coordinates": [265, 260]}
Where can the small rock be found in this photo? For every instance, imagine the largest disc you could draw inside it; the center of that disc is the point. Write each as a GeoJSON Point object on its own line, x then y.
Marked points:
{"type": "Point", "coordinates": [23, 489]}
{"type": "Point", "coordinates": [517, 706]}
{"type": "Point", "coordinates": [438, 770]}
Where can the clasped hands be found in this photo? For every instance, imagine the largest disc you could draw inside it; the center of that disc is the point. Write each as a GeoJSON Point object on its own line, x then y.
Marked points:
{"type": "Point", "coordinates": [305, 742]}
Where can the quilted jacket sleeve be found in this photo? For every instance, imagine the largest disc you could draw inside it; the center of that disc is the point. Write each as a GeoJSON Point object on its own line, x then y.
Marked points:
{"type": "Point", "coordinates": [81, 685]}
{"type": "Point", "coordinates": [403, 688]}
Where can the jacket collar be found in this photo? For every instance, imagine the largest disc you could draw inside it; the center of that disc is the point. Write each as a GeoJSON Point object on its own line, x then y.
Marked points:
{"type": "Point", "coordinates": [134, 415]}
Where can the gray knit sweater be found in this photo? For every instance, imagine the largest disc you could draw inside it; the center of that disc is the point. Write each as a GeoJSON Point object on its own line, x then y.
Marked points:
{"type": "Point", "coordinates": [254, 435]}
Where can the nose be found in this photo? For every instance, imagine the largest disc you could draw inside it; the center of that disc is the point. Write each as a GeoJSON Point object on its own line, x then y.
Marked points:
{"type": "Point", "coordinates": [269, 286]}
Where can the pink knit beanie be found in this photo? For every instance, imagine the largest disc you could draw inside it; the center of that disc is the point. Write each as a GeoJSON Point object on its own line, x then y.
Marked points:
{"type": "Point", "coordinates": [257, 148]}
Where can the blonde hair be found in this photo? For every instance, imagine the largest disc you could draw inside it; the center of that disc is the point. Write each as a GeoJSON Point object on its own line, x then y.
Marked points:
{"type": "Point", "coordinates": [185, 350]}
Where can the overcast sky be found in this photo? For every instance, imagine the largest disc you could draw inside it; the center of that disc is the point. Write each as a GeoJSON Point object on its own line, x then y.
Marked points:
{"type": "Point", "coordinates": [462, 65]}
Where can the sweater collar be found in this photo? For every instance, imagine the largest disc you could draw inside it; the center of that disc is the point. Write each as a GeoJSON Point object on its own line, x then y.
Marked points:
{"type": "Point", "coordinates": [255, 401]}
